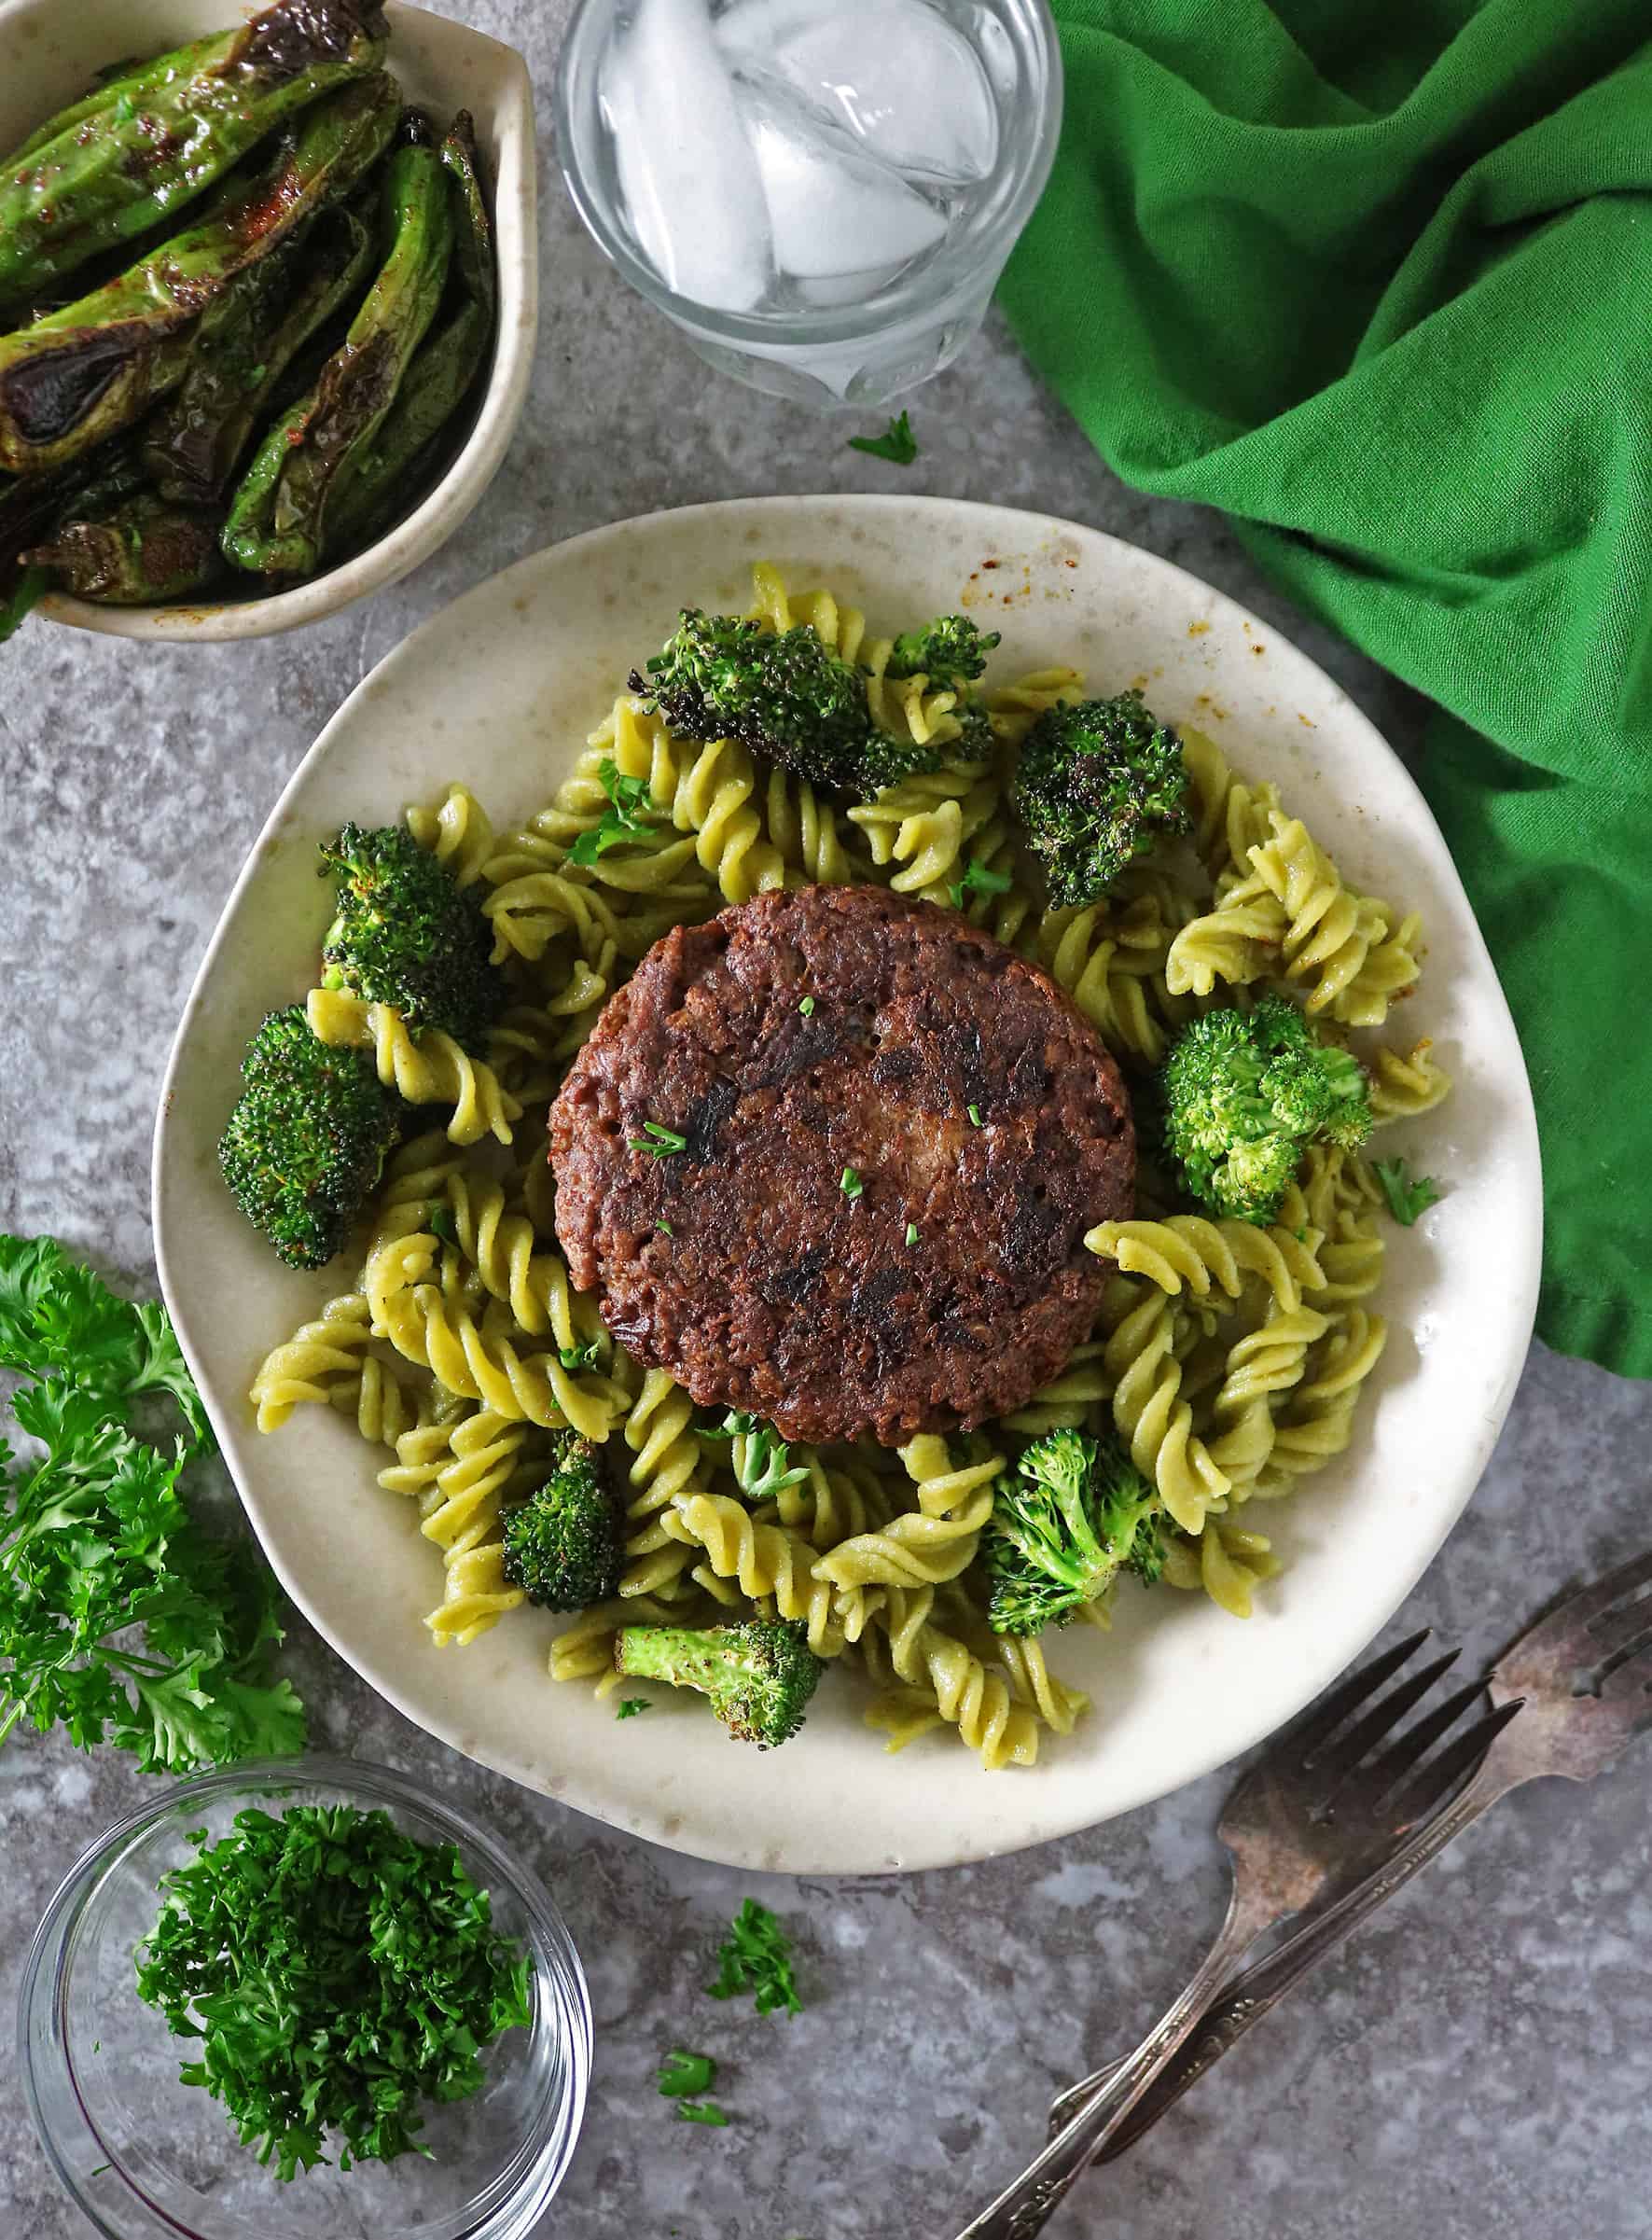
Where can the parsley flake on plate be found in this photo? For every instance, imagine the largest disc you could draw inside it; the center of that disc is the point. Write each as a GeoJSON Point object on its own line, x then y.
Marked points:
{"type": "Point", "coordinates": [978, 880]}
{"type": "Point", "coordinates": [1405, 1199]}
{"type": "Point", "coordinates": [630, 814]}
{"type": "Point", "coordinates": [632, 1706]}
{"type": "Point", "coordinates": [851, 1184]}
{"type": "Point", "coordinates": [659, 1143]}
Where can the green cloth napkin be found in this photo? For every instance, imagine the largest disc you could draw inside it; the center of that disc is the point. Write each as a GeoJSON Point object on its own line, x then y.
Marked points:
{"type": "Point", "coordinates": [1375, 278]}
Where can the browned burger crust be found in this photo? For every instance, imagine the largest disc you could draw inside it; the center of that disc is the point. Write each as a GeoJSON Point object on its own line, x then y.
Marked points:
{"type": "Point", "coordinates": [741, 1264]}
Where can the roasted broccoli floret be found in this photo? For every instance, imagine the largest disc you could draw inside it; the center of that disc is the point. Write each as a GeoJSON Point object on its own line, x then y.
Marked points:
{"type": "Point", "coordinates": [948, 651]}
{"type": "Point", "coordinates": [1097, 786]}
{"type": "Point", "coordinates": [1243, 1092]}
{"type": "Point", "coordinates": [1078, 1514]}
{"type": "Point", "coordinates": [306, 1142]}
{"type": "Point", "coordinates": [563, 1545]}
{"type": "Point", "coordinates": [783, 695]}
{"type": "Point", "coordinates": [758, 1674]}
{"type": "Point", "coordinates": [407, 934]}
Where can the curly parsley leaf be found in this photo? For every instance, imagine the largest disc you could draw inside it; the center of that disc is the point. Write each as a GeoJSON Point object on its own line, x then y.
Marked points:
{"type": "Point", "coordinates": [630, 814]}
{"type": "Point", "coordinates": [120, 1618]}
{"type": "Point", "coordinates": [632, 1706]}
{"type": "Point", "coordinates": [702, 2112]}
{"type": "Point", "coordinates": [897, 443]}
{"type": "Point", "coordinates": [337, 1975]}
{"type": "Point", "coordinates": [978, 878]}
{"type": "Point", "coordinates": [757, 1957]}
{"type": "Point", "coordinates": [574, 1358]}
{"type": "Point", "coordinates": [1405, 1199]}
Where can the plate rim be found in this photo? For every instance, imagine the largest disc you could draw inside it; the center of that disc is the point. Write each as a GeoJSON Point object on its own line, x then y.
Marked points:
{"type": "Point", "coordinates": [662, 1827]}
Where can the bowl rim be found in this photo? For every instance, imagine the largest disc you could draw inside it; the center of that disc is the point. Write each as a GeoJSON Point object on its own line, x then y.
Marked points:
{"type": "Point", "coordinates": [558, 1971]}
{"type": "Point", "coordinates": [497, 412]}
{"type": "Point", "coordinates": [806, 528]}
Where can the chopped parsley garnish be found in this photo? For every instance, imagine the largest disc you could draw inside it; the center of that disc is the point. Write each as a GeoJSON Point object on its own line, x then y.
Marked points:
{"type": "Point", "coordinates": [337, 1974]}
{"type": "Point", "coordinates": [630, 814]}
{"type": "Point", "coordinates": [978, 880]}
{"type": "Point", "coordinates": [757, 1957]}
{"type": "Point", "coordinates": [911, 1232]}
{"type": "Point", "coordinates": [580, 1356]}
{"type": "Point", "coordinates": [659, 1143]}
{"type": "Point", "coordinates": [975, 1115]}
{"type": "Point", "coordinates": [662, 1229]}
{"type": "Point", "coordinates": [807, 1006]}
{"type": "Point", "coordinates": [442, 1224]}
{"type": "Point", "coordinates": [702, 2112]}
{"type": "Point", "coordinates": [1405, 1199]}
{"type": "Point", "coordinates": [761, 1459]}
{"type": "Point", "coordinates": [631, 1706]}
{"type": "Point", "coordinates": [897, 443]}
{"type": "Point", "coordinates": [851, 1184]}
{"type": "Point", "coordinates": [125, 108]}
{"type": "Point", "coordinates": [682, 2074]}
{"type": "Point", "coordinates": [121, 1617]}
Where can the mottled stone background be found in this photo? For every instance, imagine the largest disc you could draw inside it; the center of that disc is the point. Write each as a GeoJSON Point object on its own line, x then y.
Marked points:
{"type": "Point", "coordinates": [1474, 2067]}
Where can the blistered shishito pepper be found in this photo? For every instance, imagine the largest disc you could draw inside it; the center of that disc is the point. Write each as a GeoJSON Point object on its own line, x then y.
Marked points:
{"type": "Point", "coordinates": [143, 552]}
{"type": "Point", "coordinates": [442, 376]}
{"type": "Point", "coordinates": [117, 89]}
{"type": "Point", "coordinates": [94, 368]}
{"type": "Point", "coordinates": [245, 345]}
{"type": "Point", "coordinates": [278, 522]}
{"type": "Point", "coordinates": [153, 144]}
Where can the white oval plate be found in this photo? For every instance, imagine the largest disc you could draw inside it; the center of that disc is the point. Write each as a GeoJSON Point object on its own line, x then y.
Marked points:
{"type": "Point", "coordinates": [501, 691]}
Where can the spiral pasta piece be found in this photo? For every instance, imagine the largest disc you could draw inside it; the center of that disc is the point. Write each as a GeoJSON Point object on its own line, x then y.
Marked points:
{"type": "Point", "coordinates": [1404, 1087]}
{"type": "Point", "coordinates": [457, 831]}
{"type": "Point", "coordinates": [505, 1250]}
{"type": "Point", "coordinates": [431, 1071]}
{"type": "Point", "coordinates": [770, 1563]}
{"type": "Point", "coordinates": [1154, 1420]}
{"type": "Point", "coordinates": [320, 1357]}
{"type": "Point", "coordinates": [1187, 1250]}
{"type": "Point", "coordinates": [1226, 1561]}
{"type": "Point", "coordinates": [964, 1692]}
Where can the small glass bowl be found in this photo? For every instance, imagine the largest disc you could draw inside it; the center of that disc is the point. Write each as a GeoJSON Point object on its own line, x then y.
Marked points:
{"type": "Point", "coordinates": [144, 2156]}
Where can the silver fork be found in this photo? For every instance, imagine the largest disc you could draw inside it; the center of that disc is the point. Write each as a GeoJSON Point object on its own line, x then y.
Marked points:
{"type": "Point", "coordinates": [1313, 1818]}
{"type": "Point", "coordinates": [1585, 1676]}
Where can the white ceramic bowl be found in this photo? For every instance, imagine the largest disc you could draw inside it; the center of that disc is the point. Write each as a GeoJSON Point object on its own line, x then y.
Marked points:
{"type": "Point", "coordinates": [49, 52]}
{"type": "Point", "coordinates": [500, 691]}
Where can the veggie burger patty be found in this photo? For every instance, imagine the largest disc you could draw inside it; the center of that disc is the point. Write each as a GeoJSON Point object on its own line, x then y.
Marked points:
{"type": "Point", "coordinates": [814, 1078]}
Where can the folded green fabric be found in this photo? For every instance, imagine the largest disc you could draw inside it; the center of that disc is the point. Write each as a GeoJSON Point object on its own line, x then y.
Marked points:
{"type": "Point", "coordinates": [1375, 278]}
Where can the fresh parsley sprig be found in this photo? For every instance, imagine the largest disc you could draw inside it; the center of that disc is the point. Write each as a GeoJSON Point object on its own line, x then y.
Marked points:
{"type": "Point", "coordinates": [1405, 1199]}
{"type": "Point", "coordinates": [762, 1460]}
{"type": "Point", "coordinates": [630, 814]}
{"type": "Point", "coordinates": [120, 1618]}
{"type": "Point", "coordinates": [338, 1974]}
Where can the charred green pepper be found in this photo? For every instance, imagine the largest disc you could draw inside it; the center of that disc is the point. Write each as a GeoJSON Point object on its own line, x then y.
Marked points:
{"type": "Point", "coordinates": [156, 142]}
{"type": "Point", "coordinates": [94, 368]}
{"type": "Point", "coordinates": [144, 552]}
{"type": "Point", "coordinates": [277, 523]}
{"type": "Point", "coordinates": [442, 375]}
{"type": "Point", "coordinates": [244, 347]}
{"type": "Point", "coordinates": [116, 89]}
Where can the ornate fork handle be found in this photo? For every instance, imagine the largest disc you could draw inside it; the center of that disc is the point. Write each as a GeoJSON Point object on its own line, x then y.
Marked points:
{"type": "Point", "coordinates": [1024, 2207]}
{"type": "Point", "coordinates": [1261, 1987]}
{"type": "Point", "coordinates": [1264, 1985]}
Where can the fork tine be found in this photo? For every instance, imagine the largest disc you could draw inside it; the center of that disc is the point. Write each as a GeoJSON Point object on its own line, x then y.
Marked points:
{"type": "Point", "coordinates": [1387, 1773]}
{"type": "Point", "coordinates": [1577, 1610]}
{"type": "Point", "coordinates": [1620, 1628]}
{"type": "Point", "coordinates": [1343, 1753]}
{"type": "Point", "coordinates": [1633, 1677]}
{"type": "Point", "coordinates": [1431, 1785]}
{"type": "Point", "coordinates": [1322, 1723]}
